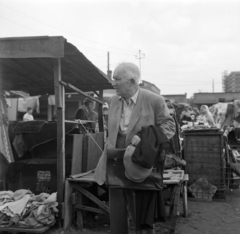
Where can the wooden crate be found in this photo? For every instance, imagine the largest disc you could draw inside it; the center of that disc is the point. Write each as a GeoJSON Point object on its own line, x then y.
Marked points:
{"type": "Point", "coordinates": [86, 153]}
{"type": "Point", "coordinates": [203, 152]}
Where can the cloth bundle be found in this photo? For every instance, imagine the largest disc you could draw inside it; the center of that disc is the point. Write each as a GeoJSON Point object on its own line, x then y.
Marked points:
{"type": "Point", "coordinates": [24, 209]}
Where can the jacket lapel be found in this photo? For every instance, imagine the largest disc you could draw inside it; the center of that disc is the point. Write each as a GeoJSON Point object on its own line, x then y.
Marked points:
{"type": "Point", "coordinates": [114, 127]}
{"type": "Point", "coordinates": [135, 113]}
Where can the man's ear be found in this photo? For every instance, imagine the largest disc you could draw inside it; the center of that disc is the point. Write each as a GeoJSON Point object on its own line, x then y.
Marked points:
{"type": "Point", "coordinates": [133, 81]}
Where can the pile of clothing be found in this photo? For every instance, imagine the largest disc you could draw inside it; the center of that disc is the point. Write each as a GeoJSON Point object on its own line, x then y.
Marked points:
{"type": "Point", "coordinates": [24, 209]}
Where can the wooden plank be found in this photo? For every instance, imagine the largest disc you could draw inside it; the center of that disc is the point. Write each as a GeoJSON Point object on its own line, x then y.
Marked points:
{"type": "Point", "coordinates": [27, 230]}
{"type": "Point", "coordinates": [80, 121]}
{"type": "Point", "coordinates": [32, 47]}
{"type": "Point", "coordinates": [185, 199]}
{"type": "Point", "coordinates": [91, 151]}
{"type": "Point", "coordinates": [77, 154]}
{"type": "Point", "coordinates": [60, 105]}
{"type": "Point", "coordinates": [92, 209]}
{"type": "Point", "coordinates": [86, 179]}
{"type": "Point", "coordinates": [91, 197]}
{"type": "Point", "coordinates": [81, 92]}
{"type": "Point", "coordinates": [67, 205]}
{"type": "Point", "coordinates": [79, 175]}
{"type": "Point", "coordinates": [79, 212]}
{"type": "Point", "coordinates": [100, 113]}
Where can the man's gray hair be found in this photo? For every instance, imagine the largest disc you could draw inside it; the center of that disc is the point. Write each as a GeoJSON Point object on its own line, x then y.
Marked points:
{"type": "Point", "coordinates": [129, 71]}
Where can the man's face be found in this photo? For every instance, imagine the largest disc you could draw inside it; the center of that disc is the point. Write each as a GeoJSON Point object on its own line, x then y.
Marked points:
{"type": "Point", "coordinates": [92, 105]}
{"type": "Point", "coordinates": [121, 84]}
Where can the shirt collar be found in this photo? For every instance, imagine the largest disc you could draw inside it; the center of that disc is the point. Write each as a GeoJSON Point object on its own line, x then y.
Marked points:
{"type": "Point", "coordinates": [133, 98]}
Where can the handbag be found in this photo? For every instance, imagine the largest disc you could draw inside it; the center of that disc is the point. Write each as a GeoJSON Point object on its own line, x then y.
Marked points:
{"type": "Point", "coordinates": [115, 177]}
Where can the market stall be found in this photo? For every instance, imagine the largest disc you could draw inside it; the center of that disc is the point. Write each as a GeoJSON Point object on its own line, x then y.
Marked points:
{"type": "Point", "coordinates": [51, 65]}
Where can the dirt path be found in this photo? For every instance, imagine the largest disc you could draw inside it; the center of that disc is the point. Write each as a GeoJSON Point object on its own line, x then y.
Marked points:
{"type": "Point", "coordinates": [212, 217]}
{"type": "Point", "coordinates": [204, 218]}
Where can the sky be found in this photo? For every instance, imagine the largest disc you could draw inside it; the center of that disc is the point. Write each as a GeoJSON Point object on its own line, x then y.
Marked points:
{"type": "Point", "coordinates": [185, 45]}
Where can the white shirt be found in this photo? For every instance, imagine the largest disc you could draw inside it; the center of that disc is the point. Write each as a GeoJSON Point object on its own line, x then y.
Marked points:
{"type": "Point", "coordinates": [27, 117]}
{"type": "Point", "coordinates": [127, 109]}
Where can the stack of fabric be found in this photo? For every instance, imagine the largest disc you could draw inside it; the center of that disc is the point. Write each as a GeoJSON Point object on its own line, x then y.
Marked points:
{"type": "Point", "coordinates": [24, 209]}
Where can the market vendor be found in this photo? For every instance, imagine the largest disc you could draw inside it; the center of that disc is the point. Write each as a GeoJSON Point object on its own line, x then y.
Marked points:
{"type": "Point", "coordinates": [86, 112]}
{"type": "Point", "coordinates": [130, 110]}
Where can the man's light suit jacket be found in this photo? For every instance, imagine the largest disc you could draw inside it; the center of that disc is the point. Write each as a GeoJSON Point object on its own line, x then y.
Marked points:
{"type": "Point", "coordinates": [150, 109]}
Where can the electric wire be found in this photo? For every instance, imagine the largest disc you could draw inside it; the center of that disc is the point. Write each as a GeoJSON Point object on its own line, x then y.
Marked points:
{"type": "Point", "coordinates": [66, 31]}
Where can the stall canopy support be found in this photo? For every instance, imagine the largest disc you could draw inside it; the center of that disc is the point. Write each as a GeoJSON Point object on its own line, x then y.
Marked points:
{"type": "Point", "coordinates": [60, 105]}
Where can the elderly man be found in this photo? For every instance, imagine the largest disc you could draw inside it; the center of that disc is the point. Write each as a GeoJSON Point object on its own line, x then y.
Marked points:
{"type": "Point", "coordinates": [130, 110]}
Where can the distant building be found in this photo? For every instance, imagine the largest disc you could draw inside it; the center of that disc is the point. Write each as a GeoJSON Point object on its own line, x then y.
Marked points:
{"type": "Point", "coordinates": [179, 98]}
{"type": "Point", "coordinates": [231, 82]}
{"type": "Point", "coordinates": [213, 98]}
{"type": "Point", "coordinates": [149, 86]}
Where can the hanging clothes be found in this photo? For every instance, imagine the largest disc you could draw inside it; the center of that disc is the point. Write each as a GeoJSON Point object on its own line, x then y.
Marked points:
{"type": "Point", "coordinates": [24, 103]}
{"type": "Point", "coordinates": [5, 147]}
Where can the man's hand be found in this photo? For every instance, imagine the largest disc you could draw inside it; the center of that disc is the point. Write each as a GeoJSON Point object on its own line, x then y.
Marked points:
{"type": "Point", "coordinates": [136, 139]}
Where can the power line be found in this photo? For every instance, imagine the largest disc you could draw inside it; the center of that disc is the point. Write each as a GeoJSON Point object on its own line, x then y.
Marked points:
{"type": "Point", "coordinates": [20, 25]}
{"type": "Point", "coordinates": [65, 31]}
{"type": "Point", "coordinates": [74, 43]}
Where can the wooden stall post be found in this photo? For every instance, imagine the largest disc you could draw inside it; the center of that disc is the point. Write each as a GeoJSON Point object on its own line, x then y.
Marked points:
{"type": "Point", "coordinates": [100, 112]}
{"type": "Point", "coordinates": [60, 105]}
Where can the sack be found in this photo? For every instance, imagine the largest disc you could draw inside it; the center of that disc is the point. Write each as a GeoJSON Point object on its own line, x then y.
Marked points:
{"type": "Point", "coordinates": [115, 177]}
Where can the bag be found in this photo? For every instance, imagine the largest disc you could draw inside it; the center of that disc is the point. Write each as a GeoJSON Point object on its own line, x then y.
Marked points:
{"type": "Point", "coordinates": [115, 177]}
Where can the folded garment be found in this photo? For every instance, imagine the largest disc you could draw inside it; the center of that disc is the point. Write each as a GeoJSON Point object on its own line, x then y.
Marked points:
{"type": "Point", "coordinates": [20, 194]}
{"type": "Point", "coordinates": [29, 211]}
{"type": "Point", "coordinates": [18, 206]}
{"type": "Point", "coordinates": [41, 197]}
{"type": "Point", "coordinates": [4, 194]}
{"type": "Point", "coordinates": [51, 199]}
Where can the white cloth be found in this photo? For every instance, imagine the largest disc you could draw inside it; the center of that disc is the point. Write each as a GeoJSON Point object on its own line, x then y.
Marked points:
{"type": "Point", "coordinates": [28, 117]}
{"type": "Point", "coordinates": [33, 102]}
{"type": "Point", "coordinates": [16, 207]}
{"type": "Point", "coordinates": [51, 100]}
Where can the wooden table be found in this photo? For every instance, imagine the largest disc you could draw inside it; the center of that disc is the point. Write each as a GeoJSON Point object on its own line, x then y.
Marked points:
{"type": "Point", "coordinates": [79, 184]}
{"type": "Point", "coordinates": [16, 229]}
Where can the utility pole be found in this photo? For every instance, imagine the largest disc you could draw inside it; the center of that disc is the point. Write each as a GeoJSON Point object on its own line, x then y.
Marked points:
{"type": "Point", "coordinates": [109, 72]}
{"type": "Point", "coordinates": [213, 85]}
{"type": "Point", "coordinates": [108, 61]}
{"type": "Point", "coordinates": [140, 56]}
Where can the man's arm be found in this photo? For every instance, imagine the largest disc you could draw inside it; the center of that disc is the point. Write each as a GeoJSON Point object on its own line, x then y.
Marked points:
{"type": "Point", "coordinates": [163, 119]}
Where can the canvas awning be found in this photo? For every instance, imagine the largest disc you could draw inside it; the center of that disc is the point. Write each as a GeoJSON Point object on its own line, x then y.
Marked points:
{"type": "Point", "coordinates": [26, 64]}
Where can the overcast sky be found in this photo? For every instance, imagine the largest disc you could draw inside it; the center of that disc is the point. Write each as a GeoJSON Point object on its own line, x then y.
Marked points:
{"type": "Point", "coordinates": [187, 44]}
